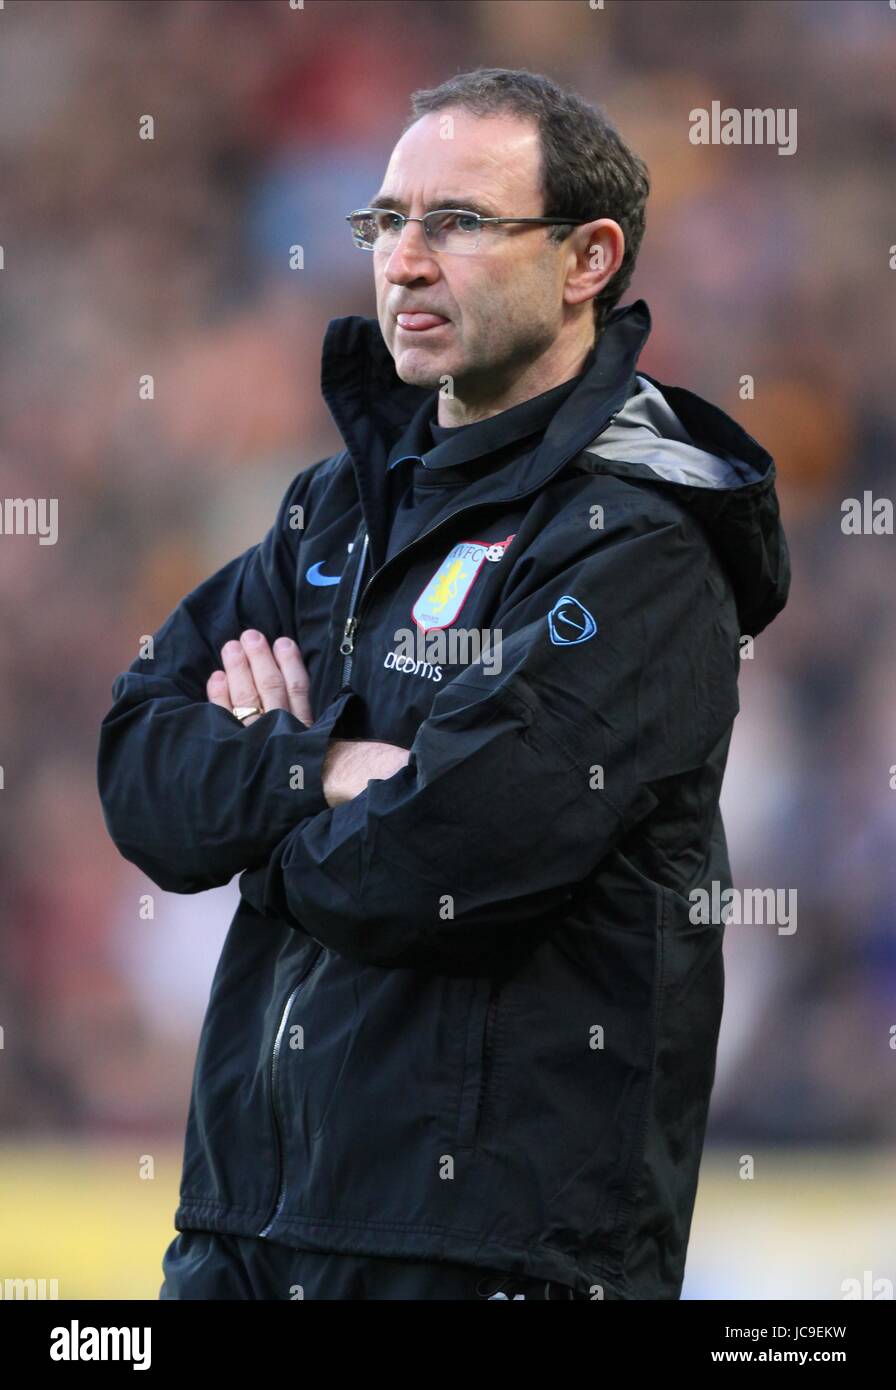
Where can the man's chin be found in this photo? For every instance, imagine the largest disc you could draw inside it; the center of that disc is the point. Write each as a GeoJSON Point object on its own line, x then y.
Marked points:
{"type": "Point", "coordinates": [419, 366]}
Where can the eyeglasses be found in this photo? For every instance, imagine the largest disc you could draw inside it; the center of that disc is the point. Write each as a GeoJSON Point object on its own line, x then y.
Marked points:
{"type": "Point", "coordinates": [447, 229]}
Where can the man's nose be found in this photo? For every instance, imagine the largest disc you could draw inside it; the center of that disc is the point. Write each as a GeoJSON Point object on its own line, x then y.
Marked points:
{"type": "Point", "coordinates": [412, 258]}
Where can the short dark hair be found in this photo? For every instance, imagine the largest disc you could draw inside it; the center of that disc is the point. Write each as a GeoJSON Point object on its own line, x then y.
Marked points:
{"type": "Point", "coordinates": [587, 171]}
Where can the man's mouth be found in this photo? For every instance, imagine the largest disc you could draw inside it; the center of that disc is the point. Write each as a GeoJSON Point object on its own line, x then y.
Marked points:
{"type": "Point", "coordinates": [420, 323]}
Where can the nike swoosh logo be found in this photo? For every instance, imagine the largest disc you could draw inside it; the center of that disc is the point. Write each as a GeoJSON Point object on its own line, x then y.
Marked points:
{"type": "Point", "coordinates": [314, 576]}
{"type": "Point", "coordinates": [561, 613]}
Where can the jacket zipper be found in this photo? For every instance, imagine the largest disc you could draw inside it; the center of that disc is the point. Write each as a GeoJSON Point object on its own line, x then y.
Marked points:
{"type": "Point", "coordinates": [487, 1053]}
{"type": "Point", "coordinates": [347, 644]}
{"type": "Point", "coordinates": [275, 1061]}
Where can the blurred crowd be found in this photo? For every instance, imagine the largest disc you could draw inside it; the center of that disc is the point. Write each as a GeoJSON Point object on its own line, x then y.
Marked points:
{"type": "Point", "coordinates": [125, 257]}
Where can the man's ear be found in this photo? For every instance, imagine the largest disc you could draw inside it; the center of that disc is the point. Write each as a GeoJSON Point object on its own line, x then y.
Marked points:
{"type": "Point", "coordinates": [595, 253]}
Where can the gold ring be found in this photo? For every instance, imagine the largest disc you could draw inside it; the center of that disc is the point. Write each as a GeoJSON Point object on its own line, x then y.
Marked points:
{"type": "Point", "coordinates": [242, 712]}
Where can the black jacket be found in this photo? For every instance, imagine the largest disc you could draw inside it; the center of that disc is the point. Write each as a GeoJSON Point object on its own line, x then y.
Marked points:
{"type": "Point", "coordinates": [467, 1015]}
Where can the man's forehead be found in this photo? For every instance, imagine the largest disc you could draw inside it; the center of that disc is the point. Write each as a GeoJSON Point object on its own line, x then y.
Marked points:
{"type": "Point", "coordinates": [485, 159]}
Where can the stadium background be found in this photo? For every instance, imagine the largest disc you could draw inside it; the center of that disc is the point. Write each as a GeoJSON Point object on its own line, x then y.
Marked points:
{"type": "Point", "coordinates": [123, 257]}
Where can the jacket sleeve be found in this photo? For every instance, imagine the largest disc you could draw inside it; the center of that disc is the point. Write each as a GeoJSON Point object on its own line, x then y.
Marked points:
{"type": "Point", "coordinates": [190, 795]}
{"type": "Point", "coordinates": [521, 781]}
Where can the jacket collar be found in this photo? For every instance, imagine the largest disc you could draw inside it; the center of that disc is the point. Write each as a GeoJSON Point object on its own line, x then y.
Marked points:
{"type": "Point", "coordinates": [471, 442]}
{"type": "Point", "coordinates": [372, 407]}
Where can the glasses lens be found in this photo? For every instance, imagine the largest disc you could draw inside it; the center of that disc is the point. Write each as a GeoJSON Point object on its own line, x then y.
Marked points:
{"type": "Point", "coordinates": [363, 230]}
{"type": "Point", "coordinates": [453, 230]}
{"type": "Point", "coordinates": [375, 228]}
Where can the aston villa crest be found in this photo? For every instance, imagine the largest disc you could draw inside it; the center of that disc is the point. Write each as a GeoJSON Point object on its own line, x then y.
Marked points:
{"type": "Point", "coordinates": [444, 596]}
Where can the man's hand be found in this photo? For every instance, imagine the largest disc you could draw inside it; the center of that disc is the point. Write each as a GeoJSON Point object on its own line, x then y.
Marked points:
{"type": "Point", "coordinates": [255, 675]}
{"type": "Point", "coordinates": [276, 678]}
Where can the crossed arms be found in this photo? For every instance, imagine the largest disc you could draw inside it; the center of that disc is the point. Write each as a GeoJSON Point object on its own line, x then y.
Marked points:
{"type": "Point", "coordinates": [276, 678]}
{"type": "Point", "coordinates": [516, 786]}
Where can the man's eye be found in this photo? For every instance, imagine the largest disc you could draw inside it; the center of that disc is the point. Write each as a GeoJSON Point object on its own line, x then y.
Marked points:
{"type": "Point", "coordinates": [388, 221]}
{"type": "Point", "coordinates": [456, 221]}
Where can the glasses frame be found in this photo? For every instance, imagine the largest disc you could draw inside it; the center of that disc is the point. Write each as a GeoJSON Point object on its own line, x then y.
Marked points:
{"type": "Point", "coordinates": [435, 212]}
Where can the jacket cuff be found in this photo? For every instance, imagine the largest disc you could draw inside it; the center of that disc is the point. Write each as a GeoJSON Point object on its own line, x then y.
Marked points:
{"type": "Point", "coordinates": [316, 741]}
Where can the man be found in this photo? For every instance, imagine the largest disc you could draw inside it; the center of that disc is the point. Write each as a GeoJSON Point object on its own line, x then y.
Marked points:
{"type": "Point", "coordinates": [461, 1039]}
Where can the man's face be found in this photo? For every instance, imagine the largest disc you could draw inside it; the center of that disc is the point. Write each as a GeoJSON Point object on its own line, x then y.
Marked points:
{"type": "Point", "coordinates": [504, 302]}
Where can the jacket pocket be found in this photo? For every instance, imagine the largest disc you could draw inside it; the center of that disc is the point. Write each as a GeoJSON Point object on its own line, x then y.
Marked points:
{"type": "Point", "coordinates": [479, 1060]}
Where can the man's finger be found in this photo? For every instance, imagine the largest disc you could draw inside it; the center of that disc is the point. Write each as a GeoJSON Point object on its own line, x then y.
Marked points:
{"type": "Point", "coordinates": [266, 674]}
{"type": "Point", "coordinates": [217, 688]}
{"type": "Point", "coordinates": [298, 685]}
{"type": "Point", "coordinates": [243, 687]}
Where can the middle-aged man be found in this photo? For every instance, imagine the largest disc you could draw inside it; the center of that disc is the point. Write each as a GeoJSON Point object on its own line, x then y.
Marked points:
{"type": "Point", "coordinates": [461, 1039]}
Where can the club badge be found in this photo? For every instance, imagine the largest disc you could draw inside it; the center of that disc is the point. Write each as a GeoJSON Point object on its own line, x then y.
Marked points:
{"type": "Point", "coordinates": [442, 599]}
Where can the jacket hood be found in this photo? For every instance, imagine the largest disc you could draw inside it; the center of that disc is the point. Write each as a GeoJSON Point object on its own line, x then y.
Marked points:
{"type": "Point", "coordinates": [716, 470]}
{"type": "Point", "coordinates": [627, 423]}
